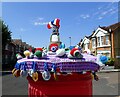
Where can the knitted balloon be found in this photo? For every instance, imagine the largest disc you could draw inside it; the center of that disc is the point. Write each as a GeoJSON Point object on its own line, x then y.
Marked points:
{"type": "Point", "coordinates": [27, 53]}
{"type": "Point", "coordinates": [103, 59]}
{"type": "Point", "coordinates": [38, 53]}
{"type": "Point", "coordinates": [62, 45]}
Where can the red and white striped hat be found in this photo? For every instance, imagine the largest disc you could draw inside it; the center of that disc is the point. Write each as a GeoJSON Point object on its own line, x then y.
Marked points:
{"type": "Point", "coordinates": [55, 22]}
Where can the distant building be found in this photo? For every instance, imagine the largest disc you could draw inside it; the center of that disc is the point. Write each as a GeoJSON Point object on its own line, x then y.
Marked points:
{"type": "Point", "coordinates": [10, 51]}
{"type": "Point", "coordinates": [85, 43]}
{"type": "Point", "coordinates": [8, 54]}
{"type": "Point", "coordinates": [21, 46]}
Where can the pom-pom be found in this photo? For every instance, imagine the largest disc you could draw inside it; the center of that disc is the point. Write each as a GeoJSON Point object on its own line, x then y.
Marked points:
{"type": "Point", "coordinates": [19, 56]}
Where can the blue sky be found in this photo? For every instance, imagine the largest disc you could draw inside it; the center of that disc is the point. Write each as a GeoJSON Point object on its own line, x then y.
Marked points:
{"type": "Point", "coordinates": [28, 20]}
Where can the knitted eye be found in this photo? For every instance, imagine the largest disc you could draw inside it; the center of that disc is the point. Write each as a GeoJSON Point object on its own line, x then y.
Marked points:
{"type": "Point", "coordinates": [53, 48]}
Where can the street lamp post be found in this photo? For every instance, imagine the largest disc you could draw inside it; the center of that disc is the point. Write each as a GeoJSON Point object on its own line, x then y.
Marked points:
{"type": "Point", "coordinates": [70, 40]}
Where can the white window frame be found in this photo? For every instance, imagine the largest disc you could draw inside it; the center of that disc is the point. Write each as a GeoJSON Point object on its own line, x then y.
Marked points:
{"type": "Point", "coordinates": [93, 43]}
{"type": "Point", "coordinates": [98, 41]}
{"type": "Point", "coordinates": [102, 40]}
{"type": "Point", "coordinates": [107, 42]}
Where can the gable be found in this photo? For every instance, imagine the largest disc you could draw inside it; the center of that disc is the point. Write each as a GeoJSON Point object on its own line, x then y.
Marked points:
{"type": "Point", "coordinates": [85, 41]}
{"type": "Point", "coordinates": [99, 32]}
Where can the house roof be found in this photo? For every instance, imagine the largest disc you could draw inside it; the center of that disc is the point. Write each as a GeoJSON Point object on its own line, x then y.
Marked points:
{"type": "Point", "coordinates": [109, 29]}
{"type": "Point", "coordinates": [113, 27]}
{"type": "Point", "coordinates": [17, 41]}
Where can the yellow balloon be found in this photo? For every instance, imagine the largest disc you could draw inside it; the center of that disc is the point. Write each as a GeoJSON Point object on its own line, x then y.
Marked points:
{"type": "Point", "coordinates": [27, 53]}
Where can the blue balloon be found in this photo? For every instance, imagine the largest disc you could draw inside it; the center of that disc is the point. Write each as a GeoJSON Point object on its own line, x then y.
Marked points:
{"type": "Point", "coordinates": [103, 59]}
{"type": "Point", "coordinates": [62, 45]}
{"type": "Point", "coordinates": [71, 47]}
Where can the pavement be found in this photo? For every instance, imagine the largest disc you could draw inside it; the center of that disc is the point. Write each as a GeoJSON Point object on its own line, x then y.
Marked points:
{"type": "Point", "coordinates": [109, 69]}
{"type": "Point", "coordinates": [107, 85]}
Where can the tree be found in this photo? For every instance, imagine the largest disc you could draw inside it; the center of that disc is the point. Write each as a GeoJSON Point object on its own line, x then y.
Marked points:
{"type": "Point", "coordinates": [6, 34]}
{"type": "Point", "coordinates": [6, 38]}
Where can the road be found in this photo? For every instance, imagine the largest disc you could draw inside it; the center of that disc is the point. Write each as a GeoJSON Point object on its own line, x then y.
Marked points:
{"type": "Point", "coordinates": [107, 85]}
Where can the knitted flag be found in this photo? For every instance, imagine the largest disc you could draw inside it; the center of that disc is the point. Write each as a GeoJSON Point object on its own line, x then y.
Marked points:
{"type": "Point", "coordinates": [56, 22]}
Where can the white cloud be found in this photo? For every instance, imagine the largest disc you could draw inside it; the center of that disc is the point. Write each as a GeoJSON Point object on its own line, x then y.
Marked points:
{"type": "Point", "coordinates": [85, 16]}
{"type": "Point", "coordinates": [22, 29]}
{"type": "Point", "coordinates": [105, 11]}
{"type": "Point", "coordinates": [99, 18]}
{"type": "Point", "coordinates": [108, 9]}
{"type": "Point", "coordinates": [40, 21]}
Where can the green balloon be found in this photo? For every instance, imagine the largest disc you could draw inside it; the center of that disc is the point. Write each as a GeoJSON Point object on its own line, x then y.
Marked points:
{"type": "Point", "coordinates": [16, 55]}
{"type": "Point", "coordinates": [38, 53]}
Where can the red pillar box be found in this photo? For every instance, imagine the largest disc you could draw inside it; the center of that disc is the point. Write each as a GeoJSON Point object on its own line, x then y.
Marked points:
{"type": "Point", "coordinates": [75, 84]}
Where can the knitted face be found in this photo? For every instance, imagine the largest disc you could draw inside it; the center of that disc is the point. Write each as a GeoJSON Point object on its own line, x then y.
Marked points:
{"type": "Point", "coordinates": [53, 47]}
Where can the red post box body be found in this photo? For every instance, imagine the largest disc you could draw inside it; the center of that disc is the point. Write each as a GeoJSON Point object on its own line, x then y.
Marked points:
{"type": "Point", "coordinates": [74, 84]}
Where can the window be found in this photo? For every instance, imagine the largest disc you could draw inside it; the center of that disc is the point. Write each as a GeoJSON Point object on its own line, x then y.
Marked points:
{"type": "Point", "coordinates": [93, 43]}
{"type": "Point", "coordinates": [107, 40]}
{"type": "Point", "coordinates": [102, 40]}
{"type": "Point", "coordinates": [98, 41]}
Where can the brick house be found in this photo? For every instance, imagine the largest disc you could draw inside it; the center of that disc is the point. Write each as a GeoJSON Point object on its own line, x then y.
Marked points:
{"type": "Point", "coordinates": [103, 40]}
{"type": "Point", "coordinates": [8, 54]}
{"type": "Point", "coordinates": [10, 51]}
{"type": "Point", "coordinates": [20, 46]}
